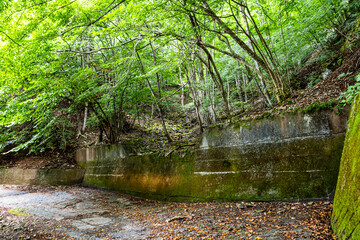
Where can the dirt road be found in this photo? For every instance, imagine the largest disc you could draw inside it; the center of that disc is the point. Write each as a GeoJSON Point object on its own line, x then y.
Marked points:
{"type": "Point", "coordinates": [46, 212]}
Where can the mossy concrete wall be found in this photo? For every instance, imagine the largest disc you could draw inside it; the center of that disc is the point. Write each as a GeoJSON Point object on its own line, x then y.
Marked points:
{"type": "Point", "coordinates": [346, 212]}
{"type": "Point", "coordinates": [41, 176]}
{"type": "Point", "coordinates": [292, 156]}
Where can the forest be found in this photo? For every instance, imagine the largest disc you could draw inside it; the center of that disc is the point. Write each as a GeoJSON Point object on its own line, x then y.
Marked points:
{"type": "Point", "coordinates": [75, 73]}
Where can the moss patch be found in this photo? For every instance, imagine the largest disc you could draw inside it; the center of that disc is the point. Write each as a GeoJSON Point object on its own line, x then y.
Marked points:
{"type": "Point", "coordinates": [296, 169]}
{"type": "Point", "coordinates": [17, 212]}
{"type": "Point", "coordinates": [346, 213]}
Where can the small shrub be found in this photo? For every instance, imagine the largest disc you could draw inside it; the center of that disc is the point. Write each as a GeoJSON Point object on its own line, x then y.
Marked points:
{"type": "Point", "coordinates": [352, 91]}
{"type": "Point", "coordinates": [314, 107]}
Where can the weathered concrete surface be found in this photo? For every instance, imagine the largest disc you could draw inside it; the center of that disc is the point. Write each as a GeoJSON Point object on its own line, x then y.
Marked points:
{"type": "Point", "coordinates": [73, 213]}
{"type": "Point", "coordinates": [68, 212]}
{"type": "Point", "coordinates": [346, 213]}
{"type": "Point", "coordinates": [292, 156]}
{"type": "Point", "coordinates": [282, 128]}
{"type": "Point", "coordinates": [41, 176]}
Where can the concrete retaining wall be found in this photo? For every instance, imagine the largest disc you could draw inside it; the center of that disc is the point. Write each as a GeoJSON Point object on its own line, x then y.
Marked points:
{"type": "Point", "coordinates": [288, 157]}
{"type": "Point", "coordinates": [41, 176]}
{"type": "Point", "coordinates": [292, 156]}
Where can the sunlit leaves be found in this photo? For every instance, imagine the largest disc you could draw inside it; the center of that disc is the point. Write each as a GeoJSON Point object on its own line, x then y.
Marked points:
{"type": "Point", "coordinates": [58, 56]}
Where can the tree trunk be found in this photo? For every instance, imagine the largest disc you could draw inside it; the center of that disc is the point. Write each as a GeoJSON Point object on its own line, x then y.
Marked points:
{"type": "Point", "coordinates": [275, 78]}
{"type": "Point", "coordinates": [85, 117]}
{"type": "Point", "coordinates": [182, 90]}
{"type": "Point", "coordinates": [166, 133]}
{"type": "Point", "coordinates": [216, 77]}
{"type": "Point", "coordinates": [263, 90]}
{"type": "Point", "coordinates": [195, 99]}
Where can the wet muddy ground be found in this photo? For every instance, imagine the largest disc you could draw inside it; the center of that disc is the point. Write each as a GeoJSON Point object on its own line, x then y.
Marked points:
{"type": "Point", "coordinates": [47, 212]}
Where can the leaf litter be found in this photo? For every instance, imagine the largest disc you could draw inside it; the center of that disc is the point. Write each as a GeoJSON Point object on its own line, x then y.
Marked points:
{"type": "Point", "coordinates": [173, 220]}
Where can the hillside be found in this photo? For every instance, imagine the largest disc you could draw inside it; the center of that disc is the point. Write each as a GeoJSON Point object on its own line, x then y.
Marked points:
{"type": "Point", "coordinates": [75, 75]}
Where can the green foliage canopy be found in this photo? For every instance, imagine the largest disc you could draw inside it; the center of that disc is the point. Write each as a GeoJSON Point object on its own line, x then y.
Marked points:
{"type": "Point", "coordinates": [61, 60]}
